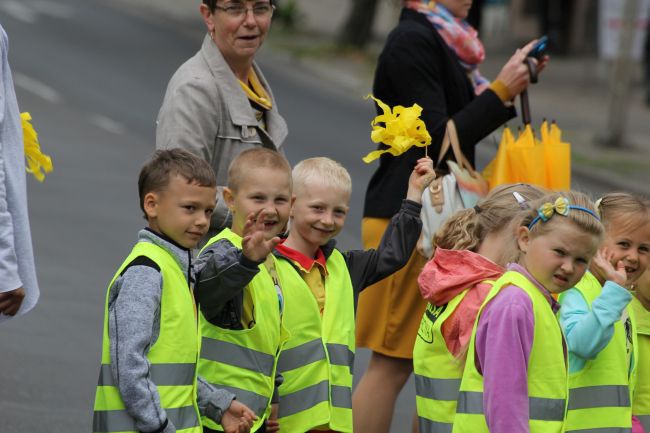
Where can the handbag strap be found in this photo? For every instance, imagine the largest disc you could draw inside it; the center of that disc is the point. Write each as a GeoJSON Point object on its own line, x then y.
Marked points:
{"type": "Point", "coordinates": [451, 140]}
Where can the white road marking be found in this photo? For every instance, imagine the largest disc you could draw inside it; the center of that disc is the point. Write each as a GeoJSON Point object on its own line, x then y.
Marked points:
{"type": "Point", "coordinates": [37, 88]}
{"type": "Point", "coordinates": [107, 124]}
{"type": "Point", "coordinates": [19, 11]}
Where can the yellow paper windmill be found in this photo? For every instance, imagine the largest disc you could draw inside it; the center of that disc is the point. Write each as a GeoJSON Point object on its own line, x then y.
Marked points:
{"type": "Point", "coordinates": [399, 129]}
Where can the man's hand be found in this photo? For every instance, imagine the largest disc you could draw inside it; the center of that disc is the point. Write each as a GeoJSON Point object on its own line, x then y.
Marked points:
{"type": "Point", "coordinates": [255, 246]}
{"type": "Point", "coordinates": [238, 418]}
{"type": "Point", "coordinates": [421, 177]}
{"type": "Point", "coordinates": [10, 302]}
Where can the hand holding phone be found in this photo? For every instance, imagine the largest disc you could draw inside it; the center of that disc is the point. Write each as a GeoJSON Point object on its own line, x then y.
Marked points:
{"type": "Point", "coordinates": [539, 49]}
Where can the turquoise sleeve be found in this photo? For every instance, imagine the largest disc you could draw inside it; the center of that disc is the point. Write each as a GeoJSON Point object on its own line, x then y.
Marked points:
{"type": "Point", "coordinates": [589, 330]}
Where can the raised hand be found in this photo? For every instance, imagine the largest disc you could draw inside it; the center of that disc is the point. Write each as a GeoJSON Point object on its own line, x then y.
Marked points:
{"type": "Point", "coordinates": [421, 176]}
{"type": "Point", "coordinates": [602, 265]}
{"type": "Point", "coordinates": [238, 418]}
{"type": "Point", "coordinates": [514, 73]}
{"type": "Point", "coordinates": [255, 246]}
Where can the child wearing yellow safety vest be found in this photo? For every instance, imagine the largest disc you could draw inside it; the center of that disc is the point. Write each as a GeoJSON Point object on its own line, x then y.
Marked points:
{"type": "Point", "coordinates": [598, 320]}
{"type": "Point", "coordinates": [641, 399]}
{"type": "Point", "coordinates": [238, 290]}
{"type": "Point", "coordinates": [515, 377]}
{"type": "Point", "coordinates": [321, 285]}
{"type": "Point", "coordinates": [472, 249]}
{"type": "Point", "coordinates": [148, 380]}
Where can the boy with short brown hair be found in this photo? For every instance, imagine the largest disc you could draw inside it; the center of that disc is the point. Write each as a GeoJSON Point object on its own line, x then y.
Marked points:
{"type": "Point", "coordinates": [148, 379]}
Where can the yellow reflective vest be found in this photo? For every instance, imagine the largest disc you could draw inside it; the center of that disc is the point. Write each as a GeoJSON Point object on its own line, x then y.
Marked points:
{"type": "Point", "coordinates": [244, 361]}
{"type": "Point", "coordinates": [547, 369]}
{"type": "Point", "coordinates": [173, 356]}
{"type": "Point", "coordinates": [437, 371]}
{"type": "Point", "coordinates": [316, 362]}
{"type": "Point", "coordinates": [599, 394]}
{"type": "Point", "coordinates": [641, 399]}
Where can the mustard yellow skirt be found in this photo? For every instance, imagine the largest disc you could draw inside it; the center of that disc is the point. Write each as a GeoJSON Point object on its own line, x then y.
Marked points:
{"type": "Point", "coordinates": [390, 311]}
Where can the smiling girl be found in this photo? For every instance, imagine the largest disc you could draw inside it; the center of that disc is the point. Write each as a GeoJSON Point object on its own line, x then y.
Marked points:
{"type": "Point", "coordinates": [598, 323]}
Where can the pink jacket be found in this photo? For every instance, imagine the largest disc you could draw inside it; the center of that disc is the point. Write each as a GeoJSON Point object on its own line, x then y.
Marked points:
{"type": "Point", "coordinates": [444, 277]}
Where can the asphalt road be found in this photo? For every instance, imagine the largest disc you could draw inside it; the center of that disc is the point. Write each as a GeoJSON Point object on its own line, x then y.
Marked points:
{"type": "Point", "coordinates": [93, 78]}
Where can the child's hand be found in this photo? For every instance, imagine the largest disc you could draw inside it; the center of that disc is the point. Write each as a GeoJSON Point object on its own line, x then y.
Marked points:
{"type": "Point", "coordinates": [421, 177]}
{"type": "Point", "coordinates": [254, 244]}
{"type": "Point", "coordinates": [238, 418]}
{"type": "Point", "coordinates": [11, 301]}
{"type": "Point", "coordinates": [272, 424]}
{"type": "Point", "coordinates": [602, 266]}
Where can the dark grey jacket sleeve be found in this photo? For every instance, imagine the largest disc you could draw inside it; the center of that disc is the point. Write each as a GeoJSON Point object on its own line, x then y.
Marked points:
{"type": "Point", "coordinates": [133, 327]}
{"type": "Point", "coordinates": [222, 272]}
{"type": "Point", "coordinates": [394, 251]}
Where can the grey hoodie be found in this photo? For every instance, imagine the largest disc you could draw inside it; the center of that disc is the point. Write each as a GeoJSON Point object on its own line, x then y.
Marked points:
{"type": "Point", "coordinates": [134, 326]}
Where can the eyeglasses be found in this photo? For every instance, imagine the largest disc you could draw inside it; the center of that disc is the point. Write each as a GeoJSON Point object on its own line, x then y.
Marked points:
{"type": "Point", "coordinates": [239, 10]}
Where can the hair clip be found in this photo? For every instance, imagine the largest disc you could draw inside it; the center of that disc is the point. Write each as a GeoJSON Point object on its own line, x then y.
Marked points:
{"type": "Point", "coordinates": [520, 200]}
{"type": "Point", "coordinates": [477, 209]}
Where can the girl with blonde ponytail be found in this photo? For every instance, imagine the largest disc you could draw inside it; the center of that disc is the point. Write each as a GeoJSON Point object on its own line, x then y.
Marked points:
{"type": "Point", "coordinates": [472, 249]}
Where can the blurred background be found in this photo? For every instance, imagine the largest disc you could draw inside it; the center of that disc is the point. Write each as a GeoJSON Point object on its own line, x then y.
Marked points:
{"type": "Point", "coordinates": [93, 74]}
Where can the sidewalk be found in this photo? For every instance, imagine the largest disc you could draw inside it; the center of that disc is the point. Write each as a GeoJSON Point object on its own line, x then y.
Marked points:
{"type": "Point", "coordinates": [572, 91]}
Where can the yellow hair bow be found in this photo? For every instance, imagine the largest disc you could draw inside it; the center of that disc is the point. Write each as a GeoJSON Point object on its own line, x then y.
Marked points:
{"type": "Point", "coordinates": [402, 129]}
{"type": "Point", "coordinates": [561, 207]}
{"type": "Point", "coordinates": [37, 163]}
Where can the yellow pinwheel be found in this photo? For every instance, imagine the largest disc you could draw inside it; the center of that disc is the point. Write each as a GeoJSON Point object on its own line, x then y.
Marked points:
{"type": "Point", "coordinates": [399, 129]}
{"type": "Point", "coordinates": [37, 163]}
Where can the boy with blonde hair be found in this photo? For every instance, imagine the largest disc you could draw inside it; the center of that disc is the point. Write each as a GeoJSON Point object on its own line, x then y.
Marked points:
{"type": "Point", "coordinates": [148, 380]}
{"type": "Point", "coordinates": [238, 290]}
{"type": "Point", "coordinates": [321, 286]}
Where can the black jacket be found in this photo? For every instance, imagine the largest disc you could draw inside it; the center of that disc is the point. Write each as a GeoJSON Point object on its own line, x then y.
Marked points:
{"type": "Point", "coordinates": [417, 66]}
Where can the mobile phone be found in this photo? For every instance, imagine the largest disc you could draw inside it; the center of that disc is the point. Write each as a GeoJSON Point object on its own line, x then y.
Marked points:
{"type": "Point", "coordinates": [539, 49]}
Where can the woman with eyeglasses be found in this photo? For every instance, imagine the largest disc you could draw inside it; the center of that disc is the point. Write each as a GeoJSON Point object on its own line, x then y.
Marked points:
{"type": "Point", "coordinates": [218, 103]}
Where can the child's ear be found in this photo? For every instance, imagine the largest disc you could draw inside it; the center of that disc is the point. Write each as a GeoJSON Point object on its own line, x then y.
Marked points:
{"type": "Point", "coordinates": [523, 238]}
{"type": "Point", "coordinates": [229, 198]}
{"type": "Point", "coordinates": [150, 204]}
{"type": "Point", "coordinates": [293, 202]}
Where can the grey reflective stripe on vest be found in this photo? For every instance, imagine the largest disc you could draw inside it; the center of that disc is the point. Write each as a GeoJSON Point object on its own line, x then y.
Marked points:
{"type": "Point", "coordinates": [645, 421]}
{"type": "Point", "coordinates": [546, 409]}
{"type": "Point", "coordinates": [437, 389]}
{"type": "Point", "coordinates": [304, 399]}
{"type": "Point", "coordinates": [599, 396]}
{"type": "Point", "coordinates": [237, 356]}
{"type": "Point", "coordinates": [602, 430]}
{"type": "Point", "coordinates": [256, 402]}
{"type": "Point", "coordinates": [105, 421]}
{"type": "Point", "coordinates": [340, 354]}
{"type": "Point", "coordinates": [160, 374]}
{"type": "Point", "coordinates": [342, 396]}
{"type": "Point", "coordinates": [428, 426]}
{"type": "Point", "coordinates": [541, 409]}
{"type": "Point", "coordinates": [470, 402]}
{"type": "Point", "coordinates": [302, 355]}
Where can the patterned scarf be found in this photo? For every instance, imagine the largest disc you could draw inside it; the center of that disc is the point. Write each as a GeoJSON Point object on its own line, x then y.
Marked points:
{"type": "Point", "coordinates": [460, 37]}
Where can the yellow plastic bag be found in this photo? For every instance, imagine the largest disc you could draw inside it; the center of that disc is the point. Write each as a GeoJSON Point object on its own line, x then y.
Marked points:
{"type": "Point", "coordinates": [498, 171]}
{"type": "Point", "coordinates": [557, 158]}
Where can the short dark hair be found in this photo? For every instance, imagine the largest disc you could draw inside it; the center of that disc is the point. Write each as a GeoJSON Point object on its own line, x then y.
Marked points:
{"type": "Point", "coordinates": [163, 164]}
{"type": "Point", "coordinates": [212, 4]}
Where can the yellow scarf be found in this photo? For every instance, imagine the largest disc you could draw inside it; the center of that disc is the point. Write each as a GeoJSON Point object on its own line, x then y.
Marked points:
{"type": "Point", "coordinates": [256, 92]}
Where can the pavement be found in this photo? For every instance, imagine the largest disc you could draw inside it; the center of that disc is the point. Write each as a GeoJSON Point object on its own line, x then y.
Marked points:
{"type": "Point", "coordinates": [572, 90]}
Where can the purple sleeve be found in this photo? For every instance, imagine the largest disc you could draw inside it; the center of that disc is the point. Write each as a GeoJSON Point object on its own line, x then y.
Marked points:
{"type": "Point", "coordinates": [504, 339]}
